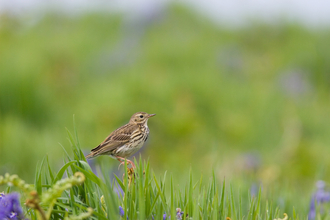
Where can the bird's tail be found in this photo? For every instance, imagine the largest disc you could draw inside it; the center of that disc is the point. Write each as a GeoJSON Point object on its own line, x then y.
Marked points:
{"type": "Point", "coordinates": [90, 155]}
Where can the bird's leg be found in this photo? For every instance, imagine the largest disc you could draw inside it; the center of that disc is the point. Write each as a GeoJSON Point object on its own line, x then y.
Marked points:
{"type": "Point", "coordinates": [122, 162]}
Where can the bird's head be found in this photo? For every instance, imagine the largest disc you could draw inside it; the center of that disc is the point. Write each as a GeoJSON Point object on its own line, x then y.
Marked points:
{"type": "Point", "coordinates": [140, 118]}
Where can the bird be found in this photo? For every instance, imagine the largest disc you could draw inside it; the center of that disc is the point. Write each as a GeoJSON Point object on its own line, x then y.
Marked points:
{"type": "Point", "coordinates": [126, 140]}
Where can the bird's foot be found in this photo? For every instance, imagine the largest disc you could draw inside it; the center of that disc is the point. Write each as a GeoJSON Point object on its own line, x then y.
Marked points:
{"type": "Point", "coordinates": [122, 162]}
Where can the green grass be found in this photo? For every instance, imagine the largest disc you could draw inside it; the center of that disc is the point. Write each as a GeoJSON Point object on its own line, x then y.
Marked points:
{"type": "Point", "coordinates": [146, 194]}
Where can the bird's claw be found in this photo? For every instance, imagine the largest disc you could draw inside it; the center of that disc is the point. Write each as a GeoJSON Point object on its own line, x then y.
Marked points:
{"type": "Point", "coordinates": [128, 162]}
{"type": "Point", "coordinates": [122, 163]}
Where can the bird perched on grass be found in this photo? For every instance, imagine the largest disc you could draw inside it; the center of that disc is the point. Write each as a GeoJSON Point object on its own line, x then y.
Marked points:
{"type": "Point", "coordinates": [126, 140]}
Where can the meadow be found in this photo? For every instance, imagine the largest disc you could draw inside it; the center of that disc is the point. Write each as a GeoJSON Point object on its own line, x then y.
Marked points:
{"type": "Point", "coordinates": [138, 194]}
{"type": "Point", "coordinates": [248, 107]}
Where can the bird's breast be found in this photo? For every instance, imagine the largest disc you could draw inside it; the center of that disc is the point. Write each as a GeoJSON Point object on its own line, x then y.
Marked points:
{"type": "Point", "coordinates": [138, 138]}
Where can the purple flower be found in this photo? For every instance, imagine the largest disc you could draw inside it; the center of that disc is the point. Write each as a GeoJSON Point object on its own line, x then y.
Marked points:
{"type": "Point", "coordinates": [178, 213]}
{"type": "Point", "coordinates": [320, 196]}
{"type": "Point", "coordinates": [164, 216]}
{"type": "Point", "coordinates": [10, 207]}
{"type": "Point", "coordinates": [121, 211]}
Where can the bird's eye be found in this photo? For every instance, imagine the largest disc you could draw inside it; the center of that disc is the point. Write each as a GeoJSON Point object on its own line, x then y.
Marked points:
{"type": "Point", "coordinates": [141, 116]}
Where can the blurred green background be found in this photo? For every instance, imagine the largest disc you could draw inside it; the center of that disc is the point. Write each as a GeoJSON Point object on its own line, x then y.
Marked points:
{"type": "Point", "coordinates": [252, 103]}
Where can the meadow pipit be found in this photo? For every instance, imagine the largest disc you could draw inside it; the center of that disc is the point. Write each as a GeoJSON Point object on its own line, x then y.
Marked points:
{"type": "Point", "coordinates": [126, 140]}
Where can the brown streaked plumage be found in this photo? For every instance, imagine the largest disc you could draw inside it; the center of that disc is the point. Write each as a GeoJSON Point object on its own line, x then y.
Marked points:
{"type": "Point", "coordinates": [126, 140]}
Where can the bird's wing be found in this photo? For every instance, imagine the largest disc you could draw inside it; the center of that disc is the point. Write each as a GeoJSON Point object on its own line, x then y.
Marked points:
{"type": "Point", "coordinates": [116, 139]}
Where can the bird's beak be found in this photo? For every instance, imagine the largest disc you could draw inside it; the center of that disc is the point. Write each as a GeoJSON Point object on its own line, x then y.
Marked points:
{"type": "Point", "coordinates": [151, 115]}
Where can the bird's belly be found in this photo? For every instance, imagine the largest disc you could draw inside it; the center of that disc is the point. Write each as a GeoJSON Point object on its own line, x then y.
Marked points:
{"type": "Point", "coordinates": [128, 150]}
